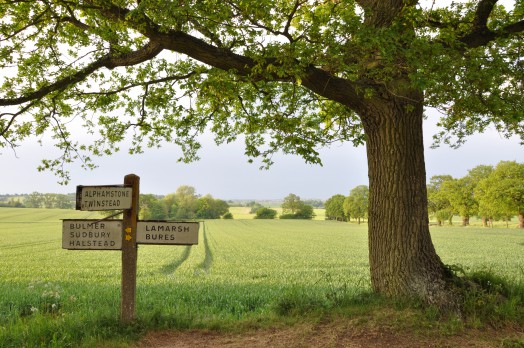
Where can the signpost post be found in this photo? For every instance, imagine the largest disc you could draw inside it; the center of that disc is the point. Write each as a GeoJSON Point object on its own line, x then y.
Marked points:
{"type": "Point", "coordinates": [125, 235]}
{"type": "Point", "coordinates": [129, 252]}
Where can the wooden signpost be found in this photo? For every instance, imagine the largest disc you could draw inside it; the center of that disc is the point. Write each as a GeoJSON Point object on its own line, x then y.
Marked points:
{"type": "Point", "coordinates": [125, 234]}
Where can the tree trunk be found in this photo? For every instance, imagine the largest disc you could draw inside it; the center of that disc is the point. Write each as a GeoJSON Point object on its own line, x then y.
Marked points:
{"type": "Point", "coordinates": [402, 257]}
{"type": "Point", "coordinates": [521, 219]}
{"type": "Point", "coordinates": [465, 220]}
{"type": "Point", "coordinates": [484, 222]}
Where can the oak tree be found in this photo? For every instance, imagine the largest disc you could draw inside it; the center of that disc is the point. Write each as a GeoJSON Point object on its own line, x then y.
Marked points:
{"type": "Point", "coordinates": [501, 193]}
{"type": "Point", "coordinates": [356, 204]}
{"type": "Point", "coordinates": [476, 175]}
{"type": "Point", "coordinates": [438, 202]}
{"type": "Point", "coordinates": [335, 208]}
{"type": "Point", "coordinates": [291, 204]}
{"type": "Point", "coordinates": [284, 75]}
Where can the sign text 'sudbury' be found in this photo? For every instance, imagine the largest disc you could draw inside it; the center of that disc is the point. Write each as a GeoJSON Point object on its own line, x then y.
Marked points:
{"type": "Point", "coordinates": [92, 234]}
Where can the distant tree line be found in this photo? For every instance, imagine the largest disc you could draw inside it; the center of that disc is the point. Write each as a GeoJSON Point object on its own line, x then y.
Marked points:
{"type": "Point", "coordinates": [292, 208]}
{"type": "Point", "coordinates": [344, 208]}
{"type": "Point", "coordinates": [487, 192]}
{"type": "Point", "coordinates": [39, 200]}
{"type": "Point", "coordinates": [11, 202]}
{"type": "Point", "coordinates": [183, 204]}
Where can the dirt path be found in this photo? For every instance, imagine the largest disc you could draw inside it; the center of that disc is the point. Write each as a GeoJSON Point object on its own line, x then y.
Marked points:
{"type": "Point", "coordinates": [339, 334]}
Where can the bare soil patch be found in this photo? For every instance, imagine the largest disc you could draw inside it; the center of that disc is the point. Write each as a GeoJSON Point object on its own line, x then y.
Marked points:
{"type": "Point", "coordinates": [340, 333]}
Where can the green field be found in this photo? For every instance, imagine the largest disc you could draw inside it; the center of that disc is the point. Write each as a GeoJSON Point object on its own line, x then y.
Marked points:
{"type": "Point", "coordinates": [241, 270]}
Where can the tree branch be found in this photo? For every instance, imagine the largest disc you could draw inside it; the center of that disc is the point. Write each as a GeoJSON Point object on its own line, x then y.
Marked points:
{"type": "Point", "coordinates": [143, 84]}
{"type": "Point", "coordinates": [480, 34]}
{"type": "Point", "coordinates": [316, 79]}
{"type": "Point", "coordinates": [5, 129]}
{"type": "Point", "coordinates": [148, 51]}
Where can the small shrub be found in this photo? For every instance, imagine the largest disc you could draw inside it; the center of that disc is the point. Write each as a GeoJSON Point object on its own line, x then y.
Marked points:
{"type": "Point", "coordinates": [265, 213]}
{"type": "Point", "coordinates": [304, 213]}
{"type": "Point", "coordinates": [288, 216]}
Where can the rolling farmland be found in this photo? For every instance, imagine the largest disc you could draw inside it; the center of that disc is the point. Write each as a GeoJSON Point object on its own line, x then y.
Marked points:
{"type": "Point", "coordinates": [240, 269]}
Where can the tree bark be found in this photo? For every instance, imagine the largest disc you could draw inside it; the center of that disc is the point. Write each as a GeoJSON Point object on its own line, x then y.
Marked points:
{"type": "Point", "coordinates": [402, 257]}
{"type": "Point", "coordinates": [521, 219]}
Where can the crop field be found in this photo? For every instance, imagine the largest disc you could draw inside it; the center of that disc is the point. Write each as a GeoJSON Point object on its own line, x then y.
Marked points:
{"type": "Point", "coordinates": [242, 269]}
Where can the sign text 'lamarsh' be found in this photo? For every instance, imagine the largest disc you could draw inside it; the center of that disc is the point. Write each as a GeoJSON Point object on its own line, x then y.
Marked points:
{"type": "Point", "coordinates": [167, 232]}
{"type": "Point", "coordinates": [103, 197]}
{"type": "Point", "coordinates": [92, 234]}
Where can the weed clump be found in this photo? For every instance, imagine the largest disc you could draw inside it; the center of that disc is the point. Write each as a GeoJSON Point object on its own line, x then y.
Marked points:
{"type": "Point", "coordinates": [488, 298]}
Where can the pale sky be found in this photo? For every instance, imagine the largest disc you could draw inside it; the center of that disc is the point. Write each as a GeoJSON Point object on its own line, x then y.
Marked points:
{"type": "Point", "coordinates": [224, 172]}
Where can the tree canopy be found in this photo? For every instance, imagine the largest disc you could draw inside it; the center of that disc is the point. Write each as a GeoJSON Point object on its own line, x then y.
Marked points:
{"type": "Point", "coordinates": [356, 204]}
{"type": "Point", "coordinates": [438, 202]}
{"type": "Point", "coordinates": [501, 193]}
{"type": "Point", "coordinates": [335, 207]}
{"type": "Point", "coordinates": [168, 71]}
{"type": "Point", "coordinates": [294, 208]}
{"type": "Point", "coordinates": [291, 204]}
{"type": "Point", "coordinates": [487, 192]}
{"type": "Point", "coordinates": [183, 204]}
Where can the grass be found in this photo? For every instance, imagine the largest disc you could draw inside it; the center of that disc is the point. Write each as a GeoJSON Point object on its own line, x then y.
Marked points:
{"type": "Point", "coordinates": [242, 272]}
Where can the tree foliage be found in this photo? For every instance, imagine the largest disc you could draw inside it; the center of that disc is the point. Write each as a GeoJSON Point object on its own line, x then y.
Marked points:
{"type": "Point", "coordinates": [490, 193]}
{"type": "Point", "coordinates": [438, 203]}
{"type": "Point", "coordinates": [294, 208]}
{"type": "Point", "coordinates": [294, 70]}
{"type": "Point", "coordinates": [501, 193]}
{"type": "Point", "coordinates": [304, 212]}
{"type": "Point", "coordinates": [356, 204]}
{"type": "Point", "coordinates": [292, 203]}
{"type": "Point", "coordinates": [254, 207]}
{"type": "Point", "coordinates": [183, 204]}
{"type": "Point", "coordinates": [335, 208]}
{"type": "Point", "coordinates": [48, 201]}
{"type": "Point", "coordinates": [459, 192]}
{"type": "Point", "coordinates": [265, 213]}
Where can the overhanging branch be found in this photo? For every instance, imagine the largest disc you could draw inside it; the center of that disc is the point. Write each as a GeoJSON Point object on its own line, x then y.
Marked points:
{"type": "Point", "coordinates": [480, 34]}
{"type": "Point", "coordinates": [315, 79]}
{"type": "Point", "coordinates": [147, 52]}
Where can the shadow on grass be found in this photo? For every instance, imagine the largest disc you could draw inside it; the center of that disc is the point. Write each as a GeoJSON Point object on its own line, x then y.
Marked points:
{"type": "Point", "coordinates": [208, 260]}
{"type": "Point", "coordinates": [173, 266]}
